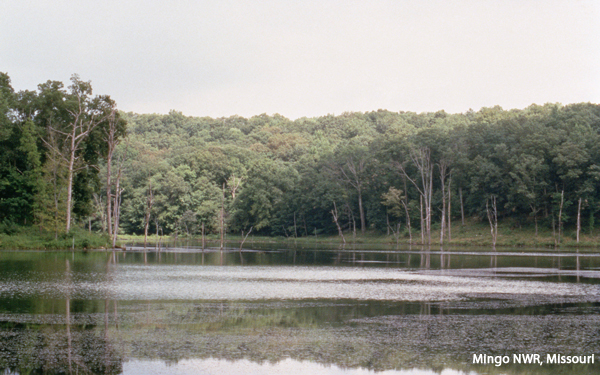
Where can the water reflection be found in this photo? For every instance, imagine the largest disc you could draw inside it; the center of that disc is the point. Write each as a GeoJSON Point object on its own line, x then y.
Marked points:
{"type": "Point", "coordinates": [267, 310]}
{"type": "Point", "coordinates": [29, 344]}
{"type": "Point", "coordinates": [243, 367]}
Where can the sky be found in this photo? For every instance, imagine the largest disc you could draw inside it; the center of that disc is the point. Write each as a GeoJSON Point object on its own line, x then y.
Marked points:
{"type": "Point", "coordinates": [308, 58]}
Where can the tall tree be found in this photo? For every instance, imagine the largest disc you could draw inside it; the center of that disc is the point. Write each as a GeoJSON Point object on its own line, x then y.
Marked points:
{"type": "Point", "coordinates": [86, 113]}
{"type": "Point", "coordinates": [421, 159]}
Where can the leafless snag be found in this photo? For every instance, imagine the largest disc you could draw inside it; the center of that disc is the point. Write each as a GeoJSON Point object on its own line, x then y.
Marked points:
{"type": "Point", "coordinates": [421, 158]}
{"type": "Point", "coordinates": [334, 213]}
{"type": "Point", "coordinates": [492, 215]}
{"type": "Point", "coordinates": [351, 173]}
{"type": "Point", "coordinates": [85, 117]}
{"type": "Point", "coordinates": [149, 203]}
{"type": "Point", "coordinates": [244, 240]}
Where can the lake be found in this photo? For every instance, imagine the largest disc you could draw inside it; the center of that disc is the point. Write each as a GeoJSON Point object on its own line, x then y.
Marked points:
{"type": "Point", "coordinates": [280, 308]}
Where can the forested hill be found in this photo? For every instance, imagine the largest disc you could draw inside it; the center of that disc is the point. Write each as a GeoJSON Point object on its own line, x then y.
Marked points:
{"type": "Point", "coordinates": [285, 177]}
{"type": "Point", "coordinates": [373, 171]}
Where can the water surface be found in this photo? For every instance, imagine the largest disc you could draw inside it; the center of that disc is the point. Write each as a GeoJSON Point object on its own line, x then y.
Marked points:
{"type": "Point", "coordinates": [271, 309]}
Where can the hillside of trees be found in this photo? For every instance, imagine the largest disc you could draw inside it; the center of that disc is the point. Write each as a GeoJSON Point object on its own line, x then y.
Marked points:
{"type": "Point", "coordinates": [70, 158]}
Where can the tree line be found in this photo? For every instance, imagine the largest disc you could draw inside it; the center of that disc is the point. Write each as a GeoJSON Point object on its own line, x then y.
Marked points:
{"type": "Point", "coordinates": [53, 144]}
{"type": "Point", "coordinates": [67, 152]}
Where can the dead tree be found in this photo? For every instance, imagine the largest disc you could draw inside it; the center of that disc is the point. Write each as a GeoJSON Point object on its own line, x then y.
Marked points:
{"type": "Point", "coordinates": [422, 220]}
{"type": "Point", "coordinates": [234, 183]}
{"type": "Point", "coordinates": [203, 243]}
{"type": "Point", "coordinates": [395, 232]}
{"type": "Point", "coordinates": [335, 215]}
{"type": "Point", "coordinates": [444, 173]}
{"type": "Point", "coordinates": [492, 215]}
{"type": "Point", "coordinates": [578, 219]}
{"type": "Point", "coordinates": [222, 218]}
{"type": "Point", "coordinates": [534, 211]}
{"type": "Point", "coordinates": [562, 199]}
{"type": "Point", "coordinates": [112, 133]}
{"type": "Point", "coordinates": [149, 203]}
{"type": "Point", "coordinates": [351, 172]}
{"type": "Point", "coordinates": [244, 237]}
{"type": "Point", "coordinates": [462, 206]}
{"type": "Point", "coordinates": [351, 220]}
{"type": "Point", "coordinates": [86, 115]}
{"type": "Point", "coordinates": [405, 204]}
{"type": "Point", "coordinates": [421, 158]}
{"type": "Point", "coordinates": [117, 197]}
{"type": "Point", "coordinates": [450, 207]}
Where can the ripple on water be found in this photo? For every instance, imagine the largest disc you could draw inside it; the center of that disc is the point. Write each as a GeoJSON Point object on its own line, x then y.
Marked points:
{"type": "Point", "coordinates": [183, 282]}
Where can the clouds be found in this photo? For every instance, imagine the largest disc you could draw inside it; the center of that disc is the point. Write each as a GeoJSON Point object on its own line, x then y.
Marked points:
{"type": "Point", "coordinates": [308, 58]}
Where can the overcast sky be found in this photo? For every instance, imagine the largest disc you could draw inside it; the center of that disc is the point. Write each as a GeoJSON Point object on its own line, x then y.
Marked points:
{"type": "Point", "coordinates": [308, 58]}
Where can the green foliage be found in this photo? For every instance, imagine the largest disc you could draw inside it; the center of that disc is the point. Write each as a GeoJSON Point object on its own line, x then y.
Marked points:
{"type": "Point", "coordinates": [289, 173]}
{"type": "Point", "coordinates": [14, 237]}
{"type": "Point", "coordinates": [393, 200]}
{"type": "Point", "coordinates": [36, 134]}
{"type": "Point", "coordinates": [282, 177]}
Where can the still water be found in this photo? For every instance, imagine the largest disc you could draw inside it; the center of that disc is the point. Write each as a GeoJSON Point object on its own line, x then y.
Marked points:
{"type": "Point", "coordinates": [275, 308]}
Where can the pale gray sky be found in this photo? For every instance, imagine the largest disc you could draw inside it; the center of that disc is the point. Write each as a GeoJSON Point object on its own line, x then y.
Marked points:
{"type": "Point", "coordinates": [308, 58]}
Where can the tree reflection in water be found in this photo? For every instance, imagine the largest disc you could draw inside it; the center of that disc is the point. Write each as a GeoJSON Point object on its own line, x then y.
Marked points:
{"type": "Point", "coordinates": [73, 328]}
{"type": "Point", "coordinates": [60, 347]}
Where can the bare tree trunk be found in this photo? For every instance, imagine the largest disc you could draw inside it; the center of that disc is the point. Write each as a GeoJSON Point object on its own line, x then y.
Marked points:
{"type": "Point", "coordinates": [146, 232]}
{"type": "Point", "coordinates": [443, 168]}
{"type": "Point", "coordinates": [244, 240]}
{"type": "Point", "coordinates": [442, 226]}
{"type": "Point", "coordinates": [351, 221]}
{"type": "Point", "coordinates": [68, 315]}
{"type": "Point", "coordinates": [157, 241]}
{"type": "Point", "coordinates": [462, 207]}
{"type": "Point", "coordinates": [422, 221]}
{"type": "Point", "coordinates": [361, 212]}
{"type": "Point", "coordinates": [396, 233]}
{"type": "Point", "coordinates": [578, 219]}
{"type": "Point", "coordinates": [304, 222]}
{"type": "Point", "coordinates": [450, 209]}
{"type": "Point", "coordinates": [117, 211]}
{"type": "Point", "coordinates": [534, 211]}
{"type": "Point", "coordinates": [117, 199]}
{"type": "Point", "coordinates": [334, 213]}
{"type": "Point", "coordinates": [84, 120]}
{"type": "Point", "coordinates": [351, 173]}
{"type": "Point", "coordinates": [222, 215]}
{"type": "Point", "coordinates": [56, 199]}
{"type": "Point", "coordinates": [493, 219]}
{"type": "Point", "coordinates": [408, 223]}
{"type": "Point", "coordinates": [203, 236]}
{"type": "Point", "coordinates": [387, 221]}
{"type": "Point", "coordinates": [421, 158]}
{"type": "Point", "coordinates": [70, 182]}
{"type": "Point", "coordinates": [149, 203]}
{"type": "Point", "coordinates": [554, 231]}
{"type": "Point", "coordinates": [562, 196]}
{"type": "Point", "coordinates": [295, 230]}
{"type": "Point", "coordinates": [406, 209]}
{"type": "Point", "coordinates": [109, 183]}
{"type": "Point", "coordinates": [428, 202]}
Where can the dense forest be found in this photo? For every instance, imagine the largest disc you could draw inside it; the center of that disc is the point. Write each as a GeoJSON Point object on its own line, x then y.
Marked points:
{"type": "Point", "coordinates": [70, 158]}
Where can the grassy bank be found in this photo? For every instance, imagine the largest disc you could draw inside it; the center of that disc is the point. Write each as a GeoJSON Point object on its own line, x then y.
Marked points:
{"type": "Point", "coordinates": [31, 238]}
{"type": "Point", "coordinates": [471, 234]}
